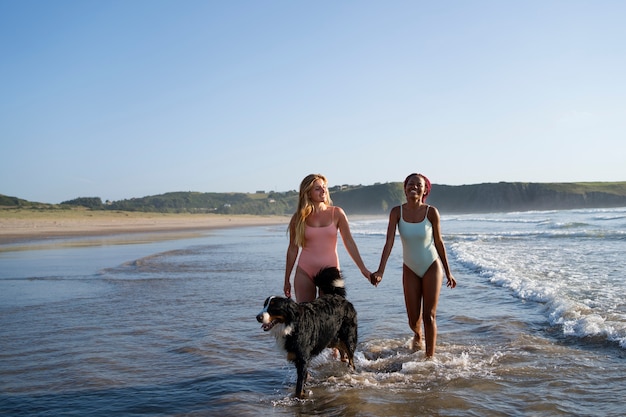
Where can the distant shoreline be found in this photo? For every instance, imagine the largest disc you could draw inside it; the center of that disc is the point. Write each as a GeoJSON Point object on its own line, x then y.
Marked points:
{"type": "Point", "coordinates": [19, 225]}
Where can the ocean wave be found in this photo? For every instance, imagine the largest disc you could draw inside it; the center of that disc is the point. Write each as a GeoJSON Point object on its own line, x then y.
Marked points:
{"type": "Point", "coordinates": [495, 220]}
{"type": "Point", "coordinates": [567, 225]}
{"type": "Point", "coordinates": [557, 233]}
{"type": "Point", "coordinates": [610, 217]}
{"type": "Point", "coordinates": [576, 297]}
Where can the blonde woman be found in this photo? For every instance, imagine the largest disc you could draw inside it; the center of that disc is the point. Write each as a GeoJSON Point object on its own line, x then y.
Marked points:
{"type": "Point", "coordinates": [313, 233]}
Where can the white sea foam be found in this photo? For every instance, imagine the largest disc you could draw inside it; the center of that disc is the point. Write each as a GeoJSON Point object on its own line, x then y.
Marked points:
{"type": "Point", "coordinates": [390, 364]}
{"type": "Point", "coordinates": [571, 263]}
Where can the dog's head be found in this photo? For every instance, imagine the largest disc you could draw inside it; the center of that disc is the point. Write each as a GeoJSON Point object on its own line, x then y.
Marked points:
{"type": "Point", "coordinates": [276, 310]}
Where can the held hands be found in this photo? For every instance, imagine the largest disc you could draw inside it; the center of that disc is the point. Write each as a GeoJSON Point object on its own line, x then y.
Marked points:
{"type": "Point", "coordinates": [375, 278]}
{"type": "Point", "coordinates": [368, 275]}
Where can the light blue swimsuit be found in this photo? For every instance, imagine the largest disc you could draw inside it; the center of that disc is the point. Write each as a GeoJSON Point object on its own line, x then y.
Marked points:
{"type": "Point", "coordinates": [418, 245]}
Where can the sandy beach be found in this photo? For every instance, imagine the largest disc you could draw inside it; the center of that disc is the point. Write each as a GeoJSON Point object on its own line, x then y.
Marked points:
{"type": "Point", "coordinates": [18, 225]}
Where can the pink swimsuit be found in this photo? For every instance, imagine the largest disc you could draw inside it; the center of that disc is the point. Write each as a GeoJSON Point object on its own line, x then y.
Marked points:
{"type": "Point", "coordinates": [320, 248]}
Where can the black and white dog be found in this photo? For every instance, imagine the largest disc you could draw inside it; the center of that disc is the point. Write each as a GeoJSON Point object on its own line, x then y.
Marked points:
{"type": "Point", "coordinates": [303, 330]}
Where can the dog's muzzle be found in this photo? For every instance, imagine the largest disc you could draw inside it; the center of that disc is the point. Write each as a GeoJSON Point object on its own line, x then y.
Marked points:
{"type": "Point", "coordinates": [264, 317]}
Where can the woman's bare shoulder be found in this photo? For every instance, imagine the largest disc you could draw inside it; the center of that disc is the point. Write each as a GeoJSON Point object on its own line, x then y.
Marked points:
{"type": "Point", "coordinates": [338, 211]}
{"type": "Point", "coordinates": [394, 214]}
{"type": "Point", "coordinates": [433, 213]}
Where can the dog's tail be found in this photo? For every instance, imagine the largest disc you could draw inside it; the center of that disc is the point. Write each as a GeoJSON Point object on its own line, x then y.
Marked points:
{"type": "Point", "coordinates": [330, 281]}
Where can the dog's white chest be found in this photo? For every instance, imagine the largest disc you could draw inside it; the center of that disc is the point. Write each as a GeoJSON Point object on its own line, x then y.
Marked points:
{"type": "Point", "coordinates": [280, 332]}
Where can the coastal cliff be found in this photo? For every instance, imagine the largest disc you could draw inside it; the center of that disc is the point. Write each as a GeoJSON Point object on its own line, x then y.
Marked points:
{"type": "Point", "coordinates": [375, 199]}
{"type": "Point", "coordinates": [489, 197]}
{"type": "Point", "coordinates": [503, 197]}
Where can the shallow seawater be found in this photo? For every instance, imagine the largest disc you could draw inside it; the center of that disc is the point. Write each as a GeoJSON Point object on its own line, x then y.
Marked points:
{"type": "Point", "coordinates": [168, 327]}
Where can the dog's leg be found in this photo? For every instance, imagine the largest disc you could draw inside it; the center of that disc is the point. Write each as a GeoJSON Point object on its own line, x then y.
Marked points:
{"type": "Point", "coordinates": [301, 368]}
{"type": "Point", "coordinates": [349, 339]}
{"type": "Point", "coordinates": [352, 346]}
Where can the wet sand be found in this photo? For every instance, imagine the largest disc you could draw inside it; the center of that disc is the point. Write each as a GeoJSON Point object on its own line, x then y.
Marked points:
{"type": "Point", "coordinates": [19, 225]}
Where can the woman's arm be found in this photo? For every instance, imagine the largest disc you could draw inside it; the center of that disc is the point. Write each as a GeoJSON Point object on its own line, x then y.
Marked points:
{"type": "Point", "coordinates": [292, 254]}
{"type": "Point", "coordinates": [394, 217]}
{"type": "Point", "coordinates": [348, 241]}
{"type": "Point", "coordinates": [433, 216]}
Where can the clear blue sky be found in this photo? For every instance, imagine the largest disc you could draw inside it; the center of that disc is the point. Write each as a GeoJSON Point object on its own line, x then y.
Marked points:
{"type": "Point", "coordinates": [122, 99]}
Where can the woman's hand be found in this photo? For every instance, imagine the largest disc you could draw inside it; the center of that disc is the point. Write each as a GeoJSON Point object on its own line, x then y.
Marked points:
{"type": "Point", "coordinates": [451, 282]}
{"type": "Point", "coordinates": [375, 278]}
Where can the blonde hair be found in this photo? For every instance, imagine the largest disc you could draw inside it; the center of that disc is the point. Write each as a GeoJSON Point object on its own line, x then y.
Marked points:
{"type": "Point", "coordinates": [305, 205]}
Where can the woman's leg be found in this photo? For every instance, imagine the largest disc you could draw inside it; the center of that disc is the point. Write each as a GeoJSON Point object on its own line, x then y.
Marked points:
{"type": "Point", "coordinates": [304, 286]}
{"type": "Point", "coordinates": [307, 291]}
{"type": "Point", "coordinates": [431, 286]}
{"type": "Point", "coordinates": [413, 301]}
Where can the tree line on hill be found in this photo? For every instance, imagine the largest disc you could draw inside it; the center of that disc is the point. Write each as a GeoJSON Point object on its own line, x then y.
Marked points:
{"type": "Point", "coordinates": [375, 199]}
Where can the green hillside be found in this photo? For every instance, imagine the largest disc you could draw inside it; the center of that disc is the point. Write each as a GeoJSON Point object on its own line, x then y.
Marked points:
{"type": "Point", "coordinates": [374, 199]}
